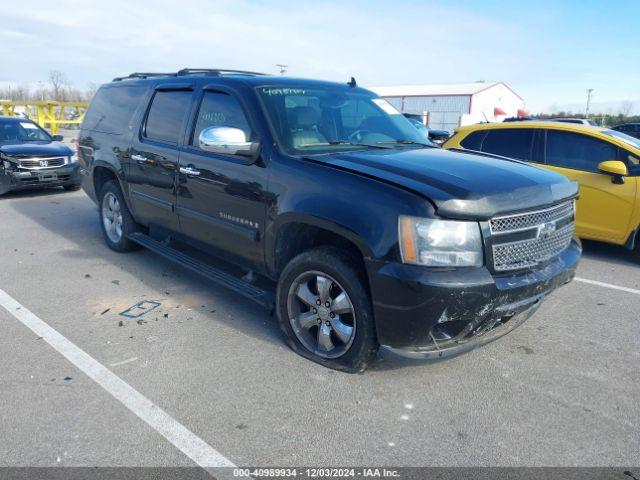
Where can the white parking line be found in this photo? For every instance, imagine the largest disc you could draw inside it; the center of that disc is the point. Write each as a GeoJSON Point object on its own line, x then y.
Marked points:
{"type": "Point", "coordinates": [186, 441]}
{"type": "Point", "coordinates": [607, 285]}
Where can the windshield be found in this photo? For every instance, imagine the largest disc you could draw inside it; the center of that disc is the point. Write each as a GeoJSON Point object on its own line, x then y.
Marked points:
{"type": "Point", "coordinates": [334, 118]}
{"type": "Point", "coordinates": [628, 139]}
{"type": "Point", "coordinates": [16, 132]}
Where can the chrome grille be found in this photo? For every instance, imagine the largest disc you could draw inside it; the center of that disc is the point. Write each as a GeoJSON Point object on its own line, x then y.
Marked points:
{"type": "Point", "coordinates": [527, 239]}
{"type": "Point", "coordinates": [42, 162]}
{"type": "Point", "coordinates": [521, 221]}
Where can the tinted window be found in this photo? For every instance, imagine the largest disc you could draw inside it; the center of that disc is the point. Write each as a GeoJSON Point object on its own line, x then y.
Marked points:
{"type": "Point", "coordinates": [220, 109]}
{"type": "Point", "coordinates": [474, 141]}
{"type": "Point", "coordinates": [578, 152]}
{"type": "Point", "coordinates": [509, 142]}
{"type": "Point", "coordinates": [164, 121]}
{"type": "Point", "coordinates": [112, 108]}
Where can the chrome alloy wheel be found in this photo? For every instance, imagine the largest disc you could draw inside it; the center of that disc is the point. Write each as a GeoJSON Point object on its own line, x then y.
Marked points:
{"type": "Point", "coordinates": [112, 217]}
{"type": "Point", "coordinates": [321, 314]}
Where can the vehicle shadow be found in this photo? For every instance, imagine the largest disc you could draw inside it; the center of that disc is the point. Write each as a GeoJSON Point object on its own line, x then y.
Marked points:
{"type": "Point", "coordinates": [34, 193]}
{"type": "Point", "coordinates": [606, 252]}
{"type": "Point", "coordinates": [82, 229]}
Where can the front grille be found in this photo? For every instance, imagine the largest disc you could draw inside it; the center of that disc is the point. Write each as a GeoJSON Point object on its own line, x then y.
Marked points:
{"type": "Point", "coordinates": [44, 162]}
{"type": "Point", "coordinates": [528, 239]}
{"type": "Point", "coordinates": [520, 221]}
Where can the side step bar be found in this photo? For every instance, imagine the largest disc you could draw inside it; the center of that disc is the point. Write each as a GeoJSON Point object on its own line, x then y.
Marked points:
{"type": "Point", "coordinates": [262, 297]}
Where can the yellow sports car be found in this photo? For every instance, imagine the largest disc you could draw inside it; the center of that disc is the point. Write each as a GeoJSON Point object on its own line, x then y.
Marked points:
{"type": "Point", "coordinates": [606, 164]}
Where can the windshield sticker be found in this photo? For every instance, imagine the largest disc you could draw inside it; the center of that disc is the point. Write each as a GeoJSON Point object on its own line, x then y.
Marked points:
{"type": "Point", "coordinates": [28, 125]}
{"type": "Point", "coordinates": [283, 91]}
{"type": "Point", "coordinates": [386, 106]}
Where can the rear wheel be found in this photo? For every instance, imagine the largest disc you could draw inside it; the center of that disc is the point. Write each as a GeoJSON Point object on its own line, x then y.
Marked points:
{"type": "Point", "coordinates": [325, 312]}
{"type": "Point", "coordinates": [115, 219]}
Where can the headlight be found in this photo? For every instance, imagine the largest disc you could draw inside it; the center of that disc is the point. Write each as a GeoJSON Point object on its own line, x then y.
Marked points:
{"type": "Point", "coordinates": [72, 159]}
{"type": "Point", "coordinates": [440, 243]}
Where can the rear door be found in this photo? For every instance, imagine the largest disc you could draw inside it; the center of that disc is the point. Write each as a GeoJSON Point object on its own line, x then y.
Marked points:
{"type": "Point", "coordinates": [155, 153]}
{"type": "Point", "coordinates": [604, 209]}
{"type": "Point", "coordinates": [221, 198]}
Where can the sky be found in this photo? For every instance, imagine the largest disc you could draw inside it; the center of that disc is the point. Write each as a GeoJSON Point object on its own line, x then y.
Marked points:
{"type": "Point", "coordinates": [550, 52]}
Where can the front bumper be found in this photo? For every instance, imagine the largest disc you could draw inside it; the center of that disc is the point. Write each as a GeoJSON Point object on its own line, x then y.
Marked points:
{"type": "Point", "coordinates": [426, 313]}
{"type": "Point", "coordinates": [22, 178]}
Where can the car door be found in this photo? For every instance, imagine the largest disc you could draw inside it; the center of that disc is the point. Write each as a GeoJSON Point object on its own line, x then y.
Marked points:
{"type": "Point", "coordinates": [222, 198]}
{"type": "Point", "coordinates": [604, 209]}
{"type": "Point", "coordinates": [154, 156]}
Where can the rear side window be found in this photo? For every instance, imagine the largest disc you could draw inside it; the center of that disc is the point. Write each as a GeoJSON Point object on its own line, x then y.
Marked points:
{"type": "Point", "coordinates": [166, 115]}
{"type": "Point", "coordinates": [112, 109]}
{"type": "Point", "coordinates": [474, 141]}
{"type": "Point", "coordinates": [510, 142]}
{"type": "Point", "coordinates": [578, 152]}
{"type": "Point", "coordinates": [218, 109]}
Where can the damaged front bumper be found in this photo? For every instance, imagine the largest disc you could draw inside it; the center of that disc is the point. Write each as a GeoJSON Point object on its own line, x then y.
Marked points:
{"type": "Point", "coordinates": [22, 178]}
{"type": "Point", "coordinates": [431, 313]}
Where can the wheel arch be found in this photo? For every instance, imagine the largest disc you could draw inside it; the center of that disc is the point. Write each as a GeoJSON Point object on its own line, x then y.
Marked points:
{"type": "Point", "coordinates": [295, 233]}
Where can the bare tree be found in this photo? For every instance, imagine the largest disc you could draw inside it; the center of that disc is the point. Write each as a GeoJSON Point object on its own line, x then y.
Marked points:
{"type": "Point", "coordinates": [59, 85]}
{"type": "Point", "coordinates": [626, 107]}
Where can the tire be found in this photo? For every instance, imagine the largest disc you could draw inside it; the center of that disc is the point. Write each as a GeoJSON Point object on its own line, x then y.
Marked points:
{"type": "Point", "coordinates": [121, 222]}
{"type": "Point", "coordinates": [341, 336]}
{"type": "Point", "coordinates": [72, 188]}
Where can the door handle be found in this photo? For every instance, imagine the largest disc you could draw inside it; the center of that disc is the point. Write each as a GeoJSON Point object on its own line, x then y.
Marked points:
{"type": "Point", "coordinates": [140, 159]}
{"type": "Point", "coordinates": [189, 171]}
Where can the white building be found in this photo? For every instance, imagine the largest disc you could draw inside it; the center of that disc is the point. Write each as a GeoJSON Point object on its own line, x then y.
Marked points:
{"type": "Point", "coordinates": [447, 106]}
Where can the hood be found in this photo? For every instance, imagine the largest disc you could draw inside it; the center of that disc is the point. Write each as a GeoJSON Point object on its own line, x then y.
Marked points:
{"type": "Point", "coordinates": [460, 185]}
{"type": "Point", "coordinates": [40, 149]}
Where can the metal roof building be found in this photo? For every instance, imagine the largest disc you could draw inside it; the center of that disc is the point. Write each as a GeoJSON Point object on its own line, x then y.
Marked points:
{"type": "Point", "coordinates": [447, 106]}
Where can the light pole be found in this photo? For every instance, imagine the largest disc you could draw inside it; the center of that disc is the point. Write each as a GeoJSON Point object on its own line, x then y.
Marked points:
{"type": "Point", "coordinates": [589, 92]}
{"type": "Point", "coordinates": [283, 68]}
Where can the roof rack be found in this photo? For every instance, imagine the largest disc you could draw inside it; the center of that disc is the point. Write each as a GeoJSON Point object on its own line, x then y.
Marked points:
{"type": "Point", "coordinates": [188, 71]}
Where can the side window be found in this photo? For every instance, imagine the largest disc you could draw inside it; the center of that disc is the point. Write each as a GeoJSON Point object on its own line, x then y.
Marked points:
{"type": "Point", "coordinates": [112, 108]}
{"type": "Point", "coordinates": [576, 151]}
{"type": "Point", "coordinates": [474, 140]}
{"type": "Point", "coordinates": [510, 142]}
{"type": "Point", "coordinates": [632, 161]}
{"type": "Point", "coordinates": [164, 121]}
{"type": "Point", "coordinates": [220, 110]}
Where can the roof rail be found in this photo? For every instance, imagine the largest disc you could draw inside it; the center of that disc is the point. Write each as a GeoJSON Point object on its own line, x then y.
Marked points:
{"type": "Point", "coordinates": [143, 75]}
{"type": "Point", "coordinates": [214, 71]}
{"type": "Point", "coordinates": [188, 71]}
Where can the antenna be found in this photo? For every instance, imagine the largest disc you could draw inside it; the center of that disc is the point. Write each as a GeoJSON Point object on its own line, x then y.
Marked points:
{"type": "Point", "coordinates": [352, 83]}
{"type": "Point", "coordinates": [283, 68]}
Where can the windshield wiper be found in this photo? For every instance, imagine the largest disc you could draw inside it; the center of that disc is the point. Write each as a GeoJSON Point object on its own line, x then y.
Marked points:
{"type": "Point", "coordinates": [342, 142]}
{"type": "Point", "coordinates": [407, 142]}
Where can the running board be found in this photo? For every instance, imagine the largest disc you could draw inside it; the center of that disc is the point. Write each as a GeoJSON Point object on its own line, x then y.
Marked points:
{"type": "Point", "coordinates": [262, 297]}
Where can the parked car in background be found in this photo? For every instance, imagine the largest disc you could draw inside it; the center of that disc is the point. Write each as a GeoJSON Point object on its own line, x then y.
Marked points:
{"type": "Point", "coordinates": [581, 121]}
{"type": "Point", "coordinates": [31, 158]}
{"type": "Point", "coordinates": [632, 129]}
{"type": "Point", "coordinates": [370, 236]}
{"type": "Point", "coordinates": [434, 136]}
{"type": "Point", "coordinates": [605, 162]}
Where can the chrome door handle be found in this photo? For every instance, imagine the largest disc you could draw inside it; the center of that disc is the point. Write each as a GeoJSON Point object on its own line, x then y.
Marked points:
{"type": "Point", "coordinates": [189, 171]}
{"type": "Point", "coordinates": [140, 159]}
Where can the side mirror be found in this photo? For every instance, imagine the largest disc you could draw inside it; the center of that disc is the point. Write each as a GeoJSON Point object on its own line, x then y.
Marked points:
{"type": "Point", "coordinates": [226, 140]}
{"type": "Point", "coordinates": [615, 168]}
{"type": "Point", "coordinates": [58, 138]}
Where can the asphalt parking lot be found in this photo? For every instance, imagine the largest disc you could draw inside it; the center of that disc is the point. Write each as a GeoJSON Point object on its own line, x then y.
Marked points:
{"type": "Point", "coordinates": [562, 390]}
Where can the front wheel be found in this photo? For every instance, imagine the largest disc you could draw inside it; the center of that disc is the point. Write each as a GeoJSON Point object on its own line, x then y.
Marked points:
{"type": "Point", "coordinates": [325, 312]}
{"type": "Point", "coordinates": [115, 219]}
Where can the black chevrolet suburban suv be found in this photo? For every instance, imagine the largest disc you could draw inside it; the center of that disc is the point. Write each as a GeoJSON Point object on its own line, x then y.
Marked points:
{"type": "Point", "coordinates": [31, 158]}
{"type": "Point", "coordinates": [339, 214]}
